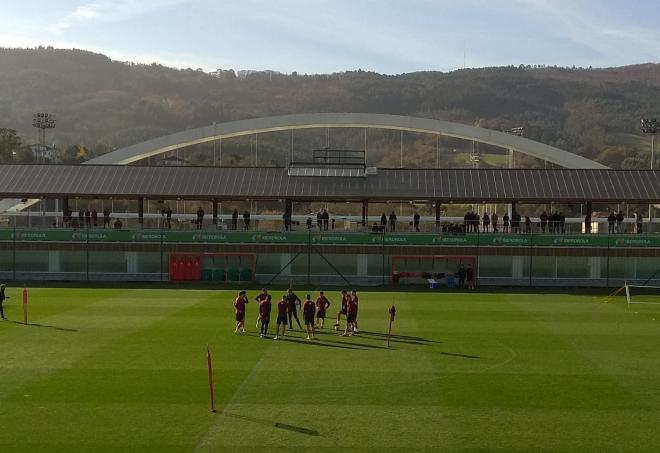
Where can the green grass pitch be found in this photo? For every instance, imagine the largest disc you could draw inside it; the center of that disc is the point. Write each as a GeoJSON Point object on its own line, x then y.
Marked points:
{"type": "Point", "coordinates": [125, 370]}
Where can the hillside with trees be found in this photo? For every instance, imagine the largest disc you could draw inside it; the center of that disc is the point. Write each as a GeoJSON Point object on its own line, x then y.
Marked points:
{"type": "Point", "coordinates": [103, 104]}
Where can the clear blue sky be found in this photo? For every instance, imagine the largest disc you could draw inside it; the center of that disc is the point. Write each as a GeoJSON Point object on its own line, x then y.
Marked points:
{"type": "Point", "coordinates": [321, 36]}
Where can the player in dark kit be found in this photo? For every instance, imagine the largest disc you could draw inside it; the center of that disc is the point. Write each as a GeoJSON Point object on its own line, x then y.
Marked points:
{"type": "Point", "coordinates": [239, 305]}
{"type": "Point", "coordinates": [309, 312]}
{"type": "Point", "coordinates": [342, 311]}
{"type": "Point", "coordinates": [351, 315]}
{"type": "Point", "coordinates": [291, 301]}
{"type": "Point", "coordinates": [261, 297]}
{"type": "Point", "coordinates": [2, 300]}
{"type": "Point", "coordinates": [354, 298]}
{"type": "Point", "coordinates": [281, 317]}
{"type": "Point", "coordinates": [322, 304]}
{"type": "Point", "coordinates": [264, 314]}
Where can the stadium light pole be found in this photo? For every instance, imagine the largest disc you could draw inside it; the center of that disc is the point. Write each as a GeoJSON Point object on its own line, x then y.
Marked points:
{"type": "Point", "coordinates": [519, 132]}
{"type": "Point", "coordinates": [651, 126]}
{"type": "Point", "coordinates": [43, 121]}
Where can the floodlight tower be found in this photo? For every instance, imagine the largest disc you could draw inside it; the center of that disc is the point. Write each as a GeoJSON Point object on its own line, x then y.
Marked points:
{"type": "Point", "coordinates": [43, 121]}
{"type": "Point", "coordinates": [651, 126]}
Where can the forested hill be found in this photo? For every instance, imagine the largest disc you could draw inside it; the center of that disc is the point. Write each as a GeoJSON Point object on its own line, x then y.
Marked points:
{"type": "Point", "coordinates": [593, 112]}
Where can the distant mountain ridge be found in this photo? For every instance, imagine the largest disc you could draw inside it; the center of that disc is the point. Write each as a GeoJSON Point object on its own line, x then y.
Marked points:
{"type": "Point", "coordinates": [593, 112]}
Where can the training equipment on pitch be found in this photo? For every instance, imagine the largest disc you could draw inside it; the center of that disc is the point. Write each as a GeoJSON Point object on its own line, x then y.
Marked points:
{"type": "Point", "coordinates": [430, 269]}
{"type": "Point", "coordinates": [642, 294]}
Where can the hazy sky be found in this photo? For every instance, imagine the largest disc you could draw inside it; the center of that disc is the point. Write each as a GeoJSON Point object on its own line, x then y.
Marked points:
{"type": "Point", "coordinates": [310, 36]}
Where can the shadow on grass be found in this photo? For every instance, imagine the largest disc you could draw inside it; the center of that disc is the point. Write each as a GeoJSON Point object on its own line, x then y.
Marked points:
{"type": "Point", "coordinates": [399, 337]}
{"type": "Point", "coordinates": [285, 426]}
{"type": "Point", "coordinates": [455, 354]}
{"type": "Point", "coordinates": [34, 324]}
{"type": "Point", "coordinates": [317, 343]}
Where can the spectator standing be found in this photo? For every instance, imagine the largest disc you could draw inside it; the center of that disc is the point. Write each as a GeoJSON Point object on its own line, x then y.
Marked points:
{"type": "Point", "coordinates": [383, 222]}
{"type": "Point", "coordinates": [528, 224]}
{"type": "Point", "coordinates": [88, 218]}
{"type": "Point", "coordinates": [95, 217]}
{"type": "Point", "coordinates": [200, 218]}
{"type": "Point", "coordinates": [494, 219]}
{"type": "Point", "coordinates": [106, 218]}
{"type": "Point", "coordinates": [326, 220]}
{"type": "Point", "coordinates": [246, 219]}
{"type": "Point", "coordinates": [392, 221]}
{"type": "Point", "coordinates": [486, 222]}
{"type": "Point", "coordinates": [587, 223]}
{"type": "Point", "coordinates": [505, 222]}
{"type": "Point", "coordinates": [416, 222]}
{"type": "Point", "coordinates": [544, 221]}
{"type": "Point", "coordinates": [611, 223]}
{"type": "Point", "coordinates": [168, 216]}
{"type": "Point", "coordinates": [639, 222]}
{"type": "Point", "coordinates": [234, 219]}
{"type": "Point", "coordinates": [619, 222]}
{"type": "Point", "coordinates": [319, 219]}
{"type": "Point", "coordinates": [81, 218]}
{"type": "Point", "coordinates": [515, 222]}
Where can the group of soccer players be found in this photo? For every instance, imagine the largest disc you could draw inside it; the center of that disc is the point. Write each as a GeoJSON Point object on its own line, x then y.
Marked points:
{"type": "Point", "coordinates": [314, 312]}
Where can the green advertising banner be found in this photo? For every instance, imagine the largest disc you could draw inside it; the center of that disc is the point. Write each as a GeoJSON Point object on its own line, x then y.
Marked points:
{"type": "Point", "coordinates": [332, 238]}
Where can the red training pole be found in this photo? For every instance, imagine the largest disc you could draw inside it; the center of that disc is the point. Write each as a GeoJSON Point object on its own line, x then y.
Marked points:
{"type": "Point", "coordinates": [25, 306]}
{"type": "Point", "coordinates": [210, 367]}
{"type": "Point", "coordinates": [389, 329]}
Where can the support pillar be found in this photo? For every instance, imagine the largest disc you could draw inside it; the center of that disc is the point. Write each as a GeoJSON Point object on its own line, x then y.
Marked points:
{"type": "Point", "coordinates": [215, 211]}
{"type": "Point", "coordinates": [131, 262]}
{"type": "Point", "coordinates": [362, 265]}
{"type": "Point", "coordinates": [589, 210]}
{"type": "Point", "coordinates": [141, 210]}
{"type": "Point", "coordinates": [594, 267]}
{"type": "Point", "coordinates": [65, 208]}
{"type": "Point", "coordinates": [517, 266]}
{"type": "Point", "coordinates": [54, 261]}
{"type": "Point", "coordinates": [284, 259]}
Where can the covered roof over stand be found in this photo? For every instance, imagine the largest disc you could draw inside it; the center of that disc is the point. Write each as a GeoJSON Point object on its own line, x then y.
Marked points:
{"type": "Point", "coordinates": [272, 183]}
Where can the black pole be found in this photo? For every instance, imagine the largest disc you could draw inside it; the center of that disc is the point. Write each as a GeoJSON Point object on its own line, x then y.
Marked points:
{"type": "Point", "coordinates": [309, 254]}
{"type": "Point", "coordinates": [13, 254]}
{"type": "Point", "coordinates": [382, 236]}
{"type": "Point", "coordinates": [161, 251]}
{"type": "Point", "coordinates": [87, 252]}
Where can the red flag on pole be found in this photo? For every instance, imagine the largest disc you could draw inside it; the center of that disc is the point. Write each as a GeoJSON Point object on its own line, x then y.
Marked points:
{"type": "Point", "coordinates": [210, 367]}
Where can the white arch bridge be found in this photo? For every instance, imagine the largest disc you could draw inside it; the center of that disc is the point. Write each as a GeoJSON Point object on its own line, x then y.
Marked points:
{"type": "Point", "coordinates": [220, 131]}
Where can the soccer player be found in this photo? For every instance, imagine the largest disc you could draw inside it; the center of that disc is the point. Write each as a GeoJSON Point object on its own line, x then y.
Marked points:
{"type": "Point", "coordinates": [309, 311]}
{"type": "Point", "coordinates": [264, 315]}
{"type": "Point", "coordinates": [261, 297]}
{"type": "Point", "coordinates": [239, 305]}
{"type": "Point", "coordinates": [342, 311]}
{"type": "Point", "coordinates": [281, 317]}
{"type": "Point", "coordinates": [2, 299]}
{"type": "Point", "coordinates": [351, 314]}
{"type": "Point", "coordinates": [322, 304]}
{"type": "Point", "coordinates": [291, 301]}
{"type": "Point", "coordinates": [354, 297]}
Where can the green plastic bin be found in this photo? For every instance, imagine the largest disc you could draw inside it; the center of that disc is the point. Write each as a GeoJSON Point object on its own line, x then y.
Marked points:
{"type": "Point", "coordinates": [246, 274]}
{"type": "Point", "coordinates": [218, 275]}
{"type": "Point", "coordinates": [232, 274]}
